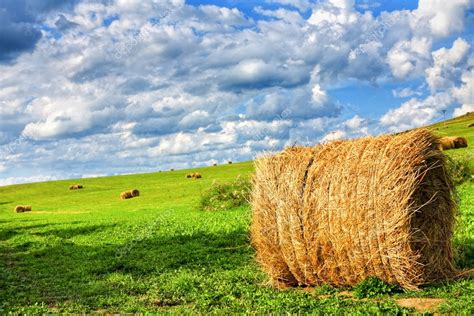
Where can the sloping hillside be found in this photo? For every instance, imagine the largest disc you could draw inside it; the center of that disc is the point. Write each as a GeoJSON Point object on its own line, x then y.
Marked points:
{"type": "Point", "coordinates": [458, 127]}
{"type": "Point", "coordinates": [86, 250]}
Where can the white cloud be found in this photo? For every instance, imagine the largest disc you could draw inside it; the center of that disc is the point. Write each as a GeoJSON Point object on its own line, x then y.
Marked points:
{"type": "Point", "coordinates": [415, 112]}
{"type": "Point", "coordinates": [405, 92]}
{"type": "Point", "coordinates": [173, 85]}
{"type": "Point", "coordinates": [408, 57]}
{"type": "Point", "coordinates": [465, 93]}
{"type": "Point", "coordinates": [333, 135]}
{"type": "Point", "coordinates": [440, 17]}
{"type": "Point", "coordinates": [299, 4]}
{"type": "Point", "coordinates": [447, 65]}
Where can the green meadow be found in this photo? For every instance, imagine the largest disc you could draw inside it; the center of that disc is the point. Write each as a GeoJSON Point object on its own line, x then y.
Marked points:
{"type": "Point", "coordinates": [87, 251]}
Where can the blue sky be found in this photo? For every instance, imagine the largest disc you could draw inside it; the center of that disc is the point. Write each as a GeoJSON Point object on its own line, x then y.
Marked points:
{"type": "Point", "coordinates": [91, 88]}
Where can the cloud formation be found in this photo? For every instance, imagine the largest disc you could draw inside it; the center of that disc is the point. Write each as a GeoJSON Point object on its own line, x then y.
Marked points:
{"type": "Point", "coordinates": [124, 86]}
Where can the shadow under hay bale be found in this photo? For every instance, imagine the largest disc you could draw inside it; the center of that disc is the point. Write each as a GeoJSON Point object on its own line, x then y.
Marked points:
{"type": "Point", "coordinates": [470, 125]}
{"type": "Point", "coordinates": [342, 212]}
{"type": "Point", "coordinates": [22, 208]}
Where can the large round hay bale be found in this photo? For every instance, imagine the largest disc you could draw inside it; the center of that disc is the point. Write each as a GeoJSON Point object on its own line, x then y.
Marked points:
{"type": "Point", "coordinates": [344, 211]}
{"type": "Point", "coordinates": [135, 192]}
{"type": "Point", "coordinates": [197, 175]}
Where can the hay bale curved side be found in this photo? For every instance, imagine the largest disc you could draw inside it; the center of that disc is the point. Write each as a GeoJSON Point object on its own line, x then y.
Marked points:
{"type": "Point", "coordinates": [341, 212]}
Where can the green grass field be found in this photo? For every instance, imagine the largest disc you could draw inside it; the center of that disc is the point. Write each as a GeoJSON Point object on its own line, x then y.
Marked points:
{"type": "Point", "coordinates": [88, 251]}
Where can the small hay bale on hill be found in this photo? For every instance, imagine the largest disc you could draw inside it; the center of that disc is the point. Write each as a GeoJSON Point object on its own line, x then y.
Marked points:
{"type": "Point", "coordinates": [229, 162]}
{"type": "Point", "coordinates": [75, 187]}
{"type": "Point", "coordinates": [344, 211]}
{"type": "Point", "coordinates": [22, 208]}
{"type": "Point", "coordinates": [445, 143]}
{"type": "Point", "coordinates": [126, 195]}
{"type": "Point", "coordinates": [189, 175]}
{"type": "Point", "coordinates": [452, 142]}
{"type": "Point", "coordinates": [197, 175]}
{"type": "Point", "coordinates": [171, 169]}
{"type": "Point", "coordinates": [470, 125]}
{"type": "Point", "coordinates": [215, 165]}
{"type": "Point", "coordinates": [135, 193]}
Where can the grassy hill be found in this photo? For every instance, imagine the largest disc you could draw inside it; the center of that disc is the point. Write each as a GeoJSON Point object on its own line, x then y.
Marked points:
{"type": "Point", "coordinates": [88, 251]}
{"type": "Point", "coordinates": [458, 127]}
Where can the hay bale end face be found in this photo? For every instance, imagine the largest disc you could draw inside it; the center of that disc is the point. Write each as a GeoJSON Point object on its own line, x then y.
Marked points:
{"type": "Point", "coordinates": [344, 211]}
{"type": "Point", "coordinates": [197, 175]}
{"type": "Point", "coordinates": [135, 193]}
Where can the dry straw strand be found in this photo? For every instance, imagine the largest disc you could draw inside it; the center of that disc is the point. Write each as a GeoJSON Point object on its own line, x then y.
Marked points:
{"type": "Point", "coordinates": [341, 212]}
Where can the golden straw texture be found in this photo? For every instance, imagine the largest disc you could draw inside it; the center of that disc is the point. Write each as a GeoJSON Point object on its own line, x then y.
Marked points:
{"type": "Point", "coordinates": [341, 212]}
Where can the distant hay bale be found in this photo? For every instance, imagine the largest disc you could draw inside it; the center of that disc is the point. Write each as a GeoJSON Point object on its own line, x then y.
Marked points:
{"type": "Point", "coordinates": [445, 143]}
{"type": "Point", "coordinates": [215, 165]}
{"type": "Point", "coordinates": [135, 193]}
{"type": "Point", "coordinates": [197, 175]}
{"type": "Point", "coordinates": [22, 208]}
{"type": "Point", "coordinates": [75, 187]}
{"type": "Point", "coordinates": [344, 211]}
{"type": "Point", "coordinates": [171, 169]}
{"type": "Point", "coordinates": [189, 175]}
{"type": "Point", "coordinates": [452, 142]}
{"type": "Point", "coordinates": [229, 162]}
{"type": "Point", "coordinates": [126, 195]}
{"type": "Point", "coordinates": [470, 125]}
